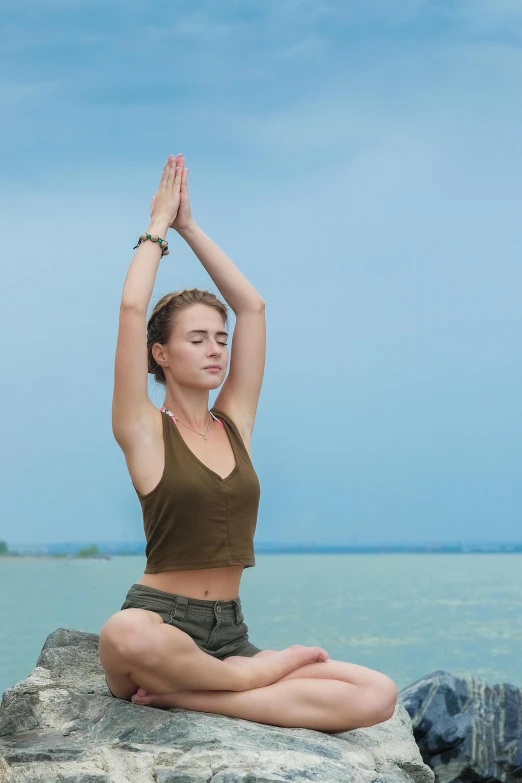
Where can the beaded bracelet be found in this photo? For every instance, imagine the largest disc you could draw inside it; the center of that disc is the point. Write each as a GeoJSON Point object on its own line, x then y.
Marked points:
{"type": "Point", "coordinates": [154, 238]}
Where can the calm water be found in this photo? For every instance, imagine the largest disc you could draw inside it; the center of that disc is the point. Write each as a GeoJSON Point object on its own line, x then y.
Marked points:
{"type": "Point", "coordinates": [403, 614]}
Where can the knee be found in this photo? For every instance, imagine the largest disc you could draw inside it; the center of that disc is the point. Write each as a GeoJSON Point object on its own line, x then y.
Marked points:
{"type": "Point", "coordinates": [128, 634]}
{"type": "Point", "coordinates": [389, 696]}
{"type": "Point", "coordinates": [381, 701]}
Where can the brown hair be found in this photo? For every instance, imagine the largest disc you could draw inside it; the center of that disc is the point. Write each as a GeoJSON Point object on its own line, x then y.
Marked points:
{"type": "Point", "coordinates": [161, 320]}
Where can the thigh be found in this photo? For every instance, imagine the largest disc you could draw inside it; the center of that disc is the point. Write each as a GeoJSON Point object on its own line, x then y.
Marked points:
{"type": "Point", "coordinates": [250, 651]}
{"type": "Point", "coordinates": [263, 653]}
{"type": "Point", "coordinates": [191, 621]}
{"type": "Point", "coordinates": [129, 630]}
{"type": "Point", "coordinates": [137, 623]}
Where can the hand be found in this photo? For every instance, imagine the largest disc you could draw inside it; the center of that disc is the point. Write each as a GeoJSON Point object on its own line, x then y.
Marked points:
{"type": "Point", "coordinates": [165, 203]}
{"type": "Point", "coordinates": [183, 218]}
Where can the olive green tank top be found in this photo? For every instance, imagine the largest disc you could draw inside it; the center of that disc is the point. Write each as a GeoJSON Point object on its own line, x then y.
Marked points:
{"type": "Point", "coordinates": [193, 518]}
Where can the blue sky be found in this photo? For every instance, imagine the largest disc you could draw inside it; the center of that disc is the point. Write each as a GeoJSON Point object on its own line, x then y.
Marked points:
{"type": "Point", "coordinates": [361, 163]}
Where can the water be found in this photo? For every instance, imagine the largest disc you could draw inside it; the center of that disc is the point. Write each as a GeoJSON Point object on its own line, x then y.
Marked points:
{"type": "Point", "coordinates": [403, 614]}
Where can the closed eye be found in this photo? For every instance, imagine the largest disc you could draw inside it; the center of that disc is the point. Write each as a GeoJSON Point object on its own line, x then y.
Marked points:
{"type": "Point", "coordinates": [200, 341]}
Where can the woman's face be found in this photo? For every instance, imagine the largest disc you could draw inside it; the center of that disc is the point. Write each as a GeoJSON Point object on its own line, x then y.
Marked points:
{"type": "Point", "coordinates": [198, 340]}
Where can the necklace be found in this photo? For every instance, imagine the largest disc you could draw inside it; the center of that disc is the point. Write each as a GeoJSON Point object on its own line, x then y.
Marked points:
{"type": "Point", "coordinates": [203, 434]}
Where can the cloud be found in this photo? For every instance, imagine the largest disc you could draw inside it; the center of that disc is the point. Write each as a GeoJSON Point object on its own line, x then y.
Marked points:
{"type": "Point", "coordinates": [360, 162]}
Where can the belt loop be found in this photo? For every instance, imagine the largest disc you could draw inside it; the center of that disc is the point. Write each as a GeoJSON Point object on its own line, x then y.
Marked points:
{"type": "Point", "coordinates": [239, 613]}
{"type": "Point", "coordinates": [180, 608]}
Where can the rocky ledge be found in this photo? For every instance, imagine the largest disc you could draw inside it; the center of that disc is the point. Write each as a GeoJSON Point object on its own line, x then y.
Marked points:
{"type": "Point", "coordinates": [466, 729]}
{"type": "Point", "coordinates": [62, 724]}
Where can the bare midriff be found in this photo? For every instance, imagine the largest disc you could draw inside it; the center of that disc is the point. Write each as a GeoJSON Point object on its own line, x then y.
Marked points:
{"type": "Point", "coordinates": [211, 584]}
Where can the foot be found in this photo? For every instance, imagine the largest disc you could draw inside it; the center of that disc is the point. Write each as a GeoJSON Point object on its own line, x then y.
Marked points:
{"type": "Point", "coordinates": [312, 653]}
{"type": "Point", "coordinates": [290, 658]}
{"type": "Point", "coordinates": [269, 669]}
{"type": "Point", "coordinates": [244, 660]}
{"type": "Point", "coordinates": [146, 699]}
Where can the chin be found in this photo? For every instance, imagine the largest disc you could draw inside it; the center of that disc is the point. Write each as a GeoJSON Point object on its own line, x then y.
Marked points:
{"type": "Point", "coordinates": [212, 383]}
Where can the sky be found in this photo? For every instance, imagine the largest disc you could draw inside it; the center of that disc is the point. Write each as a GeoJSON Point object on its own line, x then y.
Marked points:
{"type": "Point", "coordinates": [361, 164]}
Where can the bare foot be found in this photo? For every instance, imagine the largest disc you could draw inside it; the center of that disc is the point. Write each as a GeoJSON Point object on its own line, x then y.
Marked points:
{"type": "Point", "coordinates": [269, 669]}
{"type": "Point", "coordinates": [290, 658]}
{"type": "Point", "coordinates": [315, 653]}
{"type": "Point", "coordinates": [147, 699]}
{"type": "Point", "coordinates": [243, 660]}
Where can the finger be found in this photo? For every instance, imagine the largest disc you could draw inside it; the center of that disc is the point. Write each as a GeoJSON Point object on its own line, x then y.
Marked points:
{"type": "Point", "coordinates": [165, 174]}
{"type": "Point", "coordinates": [167, 168]}
{"type": "Point", "coordinates": [170, 173]}
{"type": "Point", "coordinates": [184, 186]}
{"type": "Point", "coordinates": [176, 162]}
{"type": "Point", "coordinates": [178, 177]}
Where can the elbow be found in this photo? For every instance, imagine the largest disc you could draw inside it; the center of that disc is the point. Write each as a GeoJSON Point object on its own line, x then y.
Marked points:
{"type": "Point", "coordinates": [257, 306]}
{"type": "Point", "coordinates": [127, 305]}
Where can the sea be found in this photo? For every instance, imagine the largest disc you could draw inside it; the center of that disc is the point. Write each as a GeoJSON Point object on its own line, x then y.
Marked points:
{"type": "Point", "coordinates": [403, 614]}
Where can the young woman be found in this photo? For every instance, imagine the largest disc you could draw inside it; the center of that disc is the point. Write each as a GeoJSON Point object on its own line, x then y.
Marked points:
{"type": "Point", "coordinates": [180, 639]}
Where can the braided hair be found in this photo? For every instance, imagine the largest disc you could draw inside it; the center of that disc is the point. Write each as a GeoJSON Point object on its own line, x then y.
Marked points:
{"type": "Point", "coordinates": [161, 320]}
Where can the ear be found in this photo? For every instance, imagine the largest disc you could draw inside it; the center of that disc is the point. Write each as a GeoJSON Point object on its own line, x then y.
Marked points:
{"type": "Point", "coordinates": [157, 352]}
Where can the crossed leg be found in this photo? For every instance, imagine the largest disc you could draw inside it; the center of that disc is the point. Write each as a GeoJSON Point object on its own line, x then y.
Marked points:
{"type": "Point", "coordinates": [327, 696]}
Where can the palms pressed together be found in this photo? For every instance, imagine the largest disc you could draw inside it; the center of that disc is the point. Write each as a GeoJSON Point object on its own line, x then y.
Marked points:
{"type": "Point", "coordinates": [183, 219]}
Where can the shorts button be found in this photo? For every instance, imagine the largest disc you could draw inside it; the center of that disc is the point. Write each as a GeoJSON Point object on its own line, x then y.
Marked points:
{"type": "Point", "coordinates": [218, 608]}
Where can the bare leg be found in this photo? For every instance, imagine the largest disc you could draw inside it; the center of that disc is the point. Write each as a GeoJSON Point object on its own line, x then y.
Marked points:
{"type": "Point", "coordinates": [323, 705]}
{"type": "Point", "coordinates": [162, 659]}
{"type": "Point", "coordinates": [327, 696]}
{"type": "Point", "coordinates": [199, 671]}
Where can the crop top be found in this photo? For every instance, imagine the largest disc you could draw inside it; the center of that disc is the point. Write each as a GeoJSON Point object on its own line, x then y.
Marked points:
{"type": "Point", "coordinates": [193, 518]}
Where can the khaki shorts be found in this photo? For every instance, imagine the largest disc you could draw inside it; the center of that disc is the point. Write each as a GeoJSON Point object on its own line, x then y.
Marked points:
{"type": "Point", "coordinates": [217, 627]}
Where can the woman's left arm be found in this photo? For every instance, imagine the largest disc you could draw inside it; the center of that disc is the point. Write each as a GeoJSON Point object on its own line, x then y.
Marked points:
{"type": "Point", "coordinates": [233, 285]}
{"type": "Point", "coordinates": [238, 292]}
{"type": "Point", "coordinates": [239, 394]}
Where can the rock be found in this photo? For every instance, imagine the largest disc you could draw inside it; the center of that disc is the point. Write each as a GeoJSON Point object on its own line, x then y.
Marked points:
{"type": "Point", "coordinates": [466, 729]}
{"type": "Point", "coordinates": [62, 724]}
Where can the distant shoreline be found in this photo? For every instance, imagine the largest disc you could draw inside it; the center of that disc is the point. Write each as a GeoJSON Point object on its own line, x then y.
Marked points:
{"type": "Point", "coordinates": [69, 551]}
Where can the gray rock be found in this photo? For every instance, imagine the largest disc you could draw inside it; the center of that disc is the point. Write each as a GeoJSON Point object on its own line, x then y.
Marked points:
{"type": "Point", "coordinates": [466, 729]}
{"type": "Point", "coordinates": [62, 724]}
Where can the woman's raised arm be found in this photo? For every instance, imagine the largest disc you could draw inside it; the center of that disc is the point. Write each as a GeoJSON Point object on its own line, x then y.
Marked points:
{"type": "Point", "coordinates": [131, 405]}
{"type": "Point", "coordinates": [239, 394]}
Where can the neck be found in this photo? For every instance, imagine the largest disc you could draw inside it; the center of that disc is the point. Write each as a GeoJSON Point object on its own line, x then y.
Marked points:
{"type": "Point", "coordinates": [195, 415]}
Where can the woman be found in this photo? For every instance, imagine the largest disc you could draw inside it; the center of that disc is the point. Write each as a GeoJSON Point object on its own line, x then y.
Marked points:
{"type": "Point", "coordinates": [180, 639]}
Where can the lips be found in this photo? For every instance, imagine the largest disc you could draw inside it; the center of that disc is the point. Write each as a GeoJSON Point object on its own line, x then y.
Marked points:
{"type": "Point", "coordinates": [212, 367]}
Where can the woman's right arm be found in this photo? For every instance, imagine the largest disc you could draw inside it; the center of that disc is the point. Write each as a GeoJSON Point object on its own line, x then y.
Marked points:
{"type": "Point", "coordinates": [132, 410]}
{"type": "Point", "coordinates": [131, 405]}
